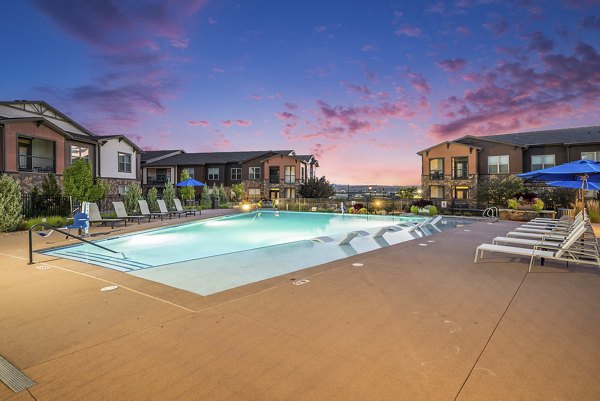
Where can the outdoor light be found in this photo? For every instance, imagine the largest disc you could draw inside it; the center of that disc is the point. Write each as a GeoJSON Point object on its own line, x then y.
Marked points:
{"type": "Point", "coordinates": [245, 207]}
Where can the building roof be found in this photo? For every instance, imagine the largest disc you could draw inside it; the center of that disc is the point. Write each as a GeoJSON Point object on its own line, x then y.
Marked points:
{"type": "Point", "coordinates": [103, 138]}
{"type": "Point", "coordinates": [194, 159]}
{"type": "Point", "coordinates": [564, 136]}
{"type": "Point", "coordinates": [420, 152]}
{"type": "Point", "coordinates": [149, 156]}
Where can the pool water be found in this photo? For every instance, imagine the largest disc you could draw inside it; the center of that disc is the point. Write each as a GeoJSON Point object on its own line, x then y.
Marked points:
{"type": "Point", "coordinates": [212, 255]}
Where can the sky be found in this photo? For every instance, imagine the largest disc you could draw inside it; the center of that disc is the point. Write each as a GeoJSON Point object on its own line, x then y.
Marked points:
{"type": "Point", "coordinates": [362, 85]}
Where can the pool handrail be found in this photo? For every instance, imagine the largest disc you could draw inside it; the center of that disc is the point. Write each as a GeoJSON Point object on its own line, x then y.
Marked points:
{"type": "Point", "coordinates": [68, 234]}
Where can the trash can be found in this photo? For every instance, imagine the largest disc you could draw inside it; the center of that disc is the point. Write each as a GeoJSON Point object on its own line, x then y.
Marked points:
{"type": "Point", "coordinates": [215, 202]}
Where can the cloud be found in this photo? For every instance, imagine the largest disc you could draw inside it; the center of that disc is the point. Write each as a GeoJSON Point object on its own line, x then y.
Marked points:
{"type": "Point", "coordinates": [256, 97]}
{"type": "Point", "coordinates": [452, 65]}
{"type": "Point", "coordinates": [397, 16]}
{"type": "Point", "coordinates": [320, 28]}
{"type": "Point", "coordinates": [499, 26]}
{"type": "Point", "coordinates": [463, 30]}
{"type": "Point", "coordinates": [515, 96]}
{"type": "Point", "coordinates": [318, 150]}
{"type": "Point", "coordinates": [243, 123]}
{"type": "Point", "coordinates": [200, 123]}
{"type": "Point", "coordinates": [540, 42]}
{"type": "Point", "coordinates": [419, 82]}
{"type": "Point", "coordinates": [212, 21]}
{"type": "Point", "coordinates": [438, 8]}
{"type": "Point", "coordinates": [409, 30]}
{"type": "Point", "coordinates": [219, 70]}
{"type": "Point", "coordinates": [368, 47]}
{"type": "Point", "coordinates": [361, 89]}
{"type": "Point", "coordinates": [590, 22]}
{"type": "Point", "coordinates": [227, 123]}
{"type": "Point", "coordinates": [222, 142]}
{"type": "Point", "coordinates": [285, 115]}
{"type": "Point", "coordinates": [291, 106]}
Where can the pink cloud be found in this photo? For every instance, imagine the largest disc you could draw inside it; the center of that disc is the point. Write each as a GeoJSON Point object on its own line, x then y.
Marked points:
{"type": "Point", "coordinates": [419, 82]}
{"type": "Point", "coordinates": [397, 16]}
{"type": "Point", "coordinates": [291, 106]}
{"type": "Point", "coordinates": [437, 8]}
{"type": "Point", "coordinates": [463, 30]}
{"type": "Point", "coordinates": [540, 42]}
{"type": "Point", "coordinates": [409, 30]}
{"type": "Point", "coordinates": [200, 123]}
{"type": "Point", "coordinates": [219, 70]}
{"type": "Point", "coordinates": [590, 22]}
{"type": "Point", "coordinates": [227, 123]}
{"type": "Point", "coordinates": [243, 123]}
{"type": "Point", "coordinates": [256, 97]}
{"type": "Point", "coordinates": [451, 65]}
{"type": "Point", "coordinates": [212, 21]}
{"type": "Point", "coordinates": [318, 150]}
{"type": "Point", "coordinates": [285, 115]}
{"type": "Point", "coordinates": [361, 89]}
{"type": "Point", "coordinates": [515, 96]}
{"type": "Point", "coordinates": [222, 142]}
{"type": "Point", "coordinates": [498, 26]}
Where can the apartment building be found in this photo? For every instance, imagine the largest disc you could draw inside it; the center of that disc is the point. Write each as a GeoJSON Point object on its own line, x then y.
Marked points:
{"type": "Point", "coordinates": [452, 169]}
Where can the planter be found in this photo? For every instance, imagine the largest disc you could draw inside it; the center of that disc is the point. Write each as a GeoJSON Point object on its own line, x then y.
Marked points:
{"type": "Point", "coordinates": [525, 215]}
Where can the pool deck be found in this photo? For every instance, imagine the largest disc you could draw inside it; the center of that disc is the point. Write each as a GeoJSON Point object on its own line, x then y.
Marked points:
{"type": "Point", "coordinates": [414, 323]}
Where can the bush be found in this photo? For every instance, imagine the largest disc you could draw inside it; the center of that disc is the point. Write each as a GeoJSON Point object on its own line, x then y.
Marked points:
{"type": "Point", "coordinates": [593, 208]}
{"type": "Point", "coordinates": [513, 204]}
{"type": "Point", "coordinates": [433, 210]}
{"type": "Point", "coordinates": [54, 221]}
{"type": "Point", "coordinates": [238, 192]}
{"type": "Point", "coordinates": [223, 199]}
{"type": "Point", "coordinates": [497, 191]}
{"type": "Point", "coordinates": [132, 195]}
{"type": "Point", "coordinates": [11, 203]}
{"type": "Point", "coordinates": [205, 200]}
{"type": "Point", "coordinates": [79, 183]}
{"type": "Point", "coordinates": [168, 195]}
{"type": "Point", "coordinates": [555, 197]}
{"type": "Point", "coordinates": [538, 205]}
{"type": "Point", "coordinates": [421, 203]}
{"type": "Point", "coordinates": [528, 197]}
{"type": "Point", "coordinates": [414, 209]}
{"type": "Point", "coordinates": [363, 211]}
{"type": "Point", "coordinates": [152, 199]}
{"type": "Point", "coordinates": [50, 186]}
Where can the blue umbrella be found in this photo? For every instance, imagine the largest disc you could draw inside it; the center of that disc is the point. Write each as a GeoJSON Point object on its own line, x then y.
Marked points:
{"type": "Point", "coordinates": [190, 182]}
{"type": "Point", "coordinates": [575, 184]}
{"type": "Point", "coordinates": [572, 171]}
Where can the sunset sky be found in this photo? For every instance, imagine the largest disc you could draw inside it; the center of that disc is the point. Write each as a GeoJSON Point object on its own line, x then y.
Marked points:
{"type": "Point", "coordinates": [362, 85]}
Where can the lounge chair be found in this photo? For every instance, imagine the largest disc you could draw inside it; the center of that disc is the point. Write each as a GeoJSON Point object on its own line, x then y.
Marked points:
{"type": "Point", "coordinates": [567, 251]}
{"type": "Point", "coordinates": [180, 208]}
{"type": "Point", "coordinates": [95, 217]}
{"type": "Point", "coordinates": [162, 206]}
{"type": "Point", "coordinates": [351, 235]}
{"type": "Point", "coordinates": [386, 229]}
{"type": "Point", "coordinates": [122, 213]}
{"type": "Point", "coordinates": [518, 237]}
{"type": "Point", "coordinates": [145, 210]}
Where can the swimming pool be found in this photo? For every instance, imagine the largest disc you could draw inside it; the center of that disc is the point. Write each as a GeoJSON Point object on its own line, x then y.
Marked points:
{"type": "Point", "coordinates": [211, 255]}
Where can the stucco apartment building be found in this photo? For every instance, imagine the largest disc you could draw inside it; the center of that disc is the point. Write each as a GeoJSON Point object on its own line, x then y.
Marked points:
{"type": "Point", "coordinates": [265, 174]}
{"type": "Point", "coordinates": [451, 170]}
{"type": "Point", "coordinates": [36, 140]}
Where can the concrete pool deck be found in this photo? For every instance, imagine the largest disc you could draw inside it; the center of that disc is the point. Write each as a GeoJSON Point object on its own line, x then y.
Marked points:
{"type": "Point", "coordinates": [415, 322]}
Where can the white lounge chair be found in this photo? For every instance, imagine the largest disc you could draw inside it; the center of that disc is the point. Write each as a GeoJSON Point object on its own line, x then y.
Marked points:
{"type": "Point", "coordinates": [351, 235]}
{"type": "Point", "coordinates": [122, 213]}
{"type": "Point", "coordinates": [180, 208]}
{"type": "Point", "coordinates": [386, 229]}
{"type": "Point", "coordinates": [565, 252]}
{"type": "Point", "coordinates": [96, 217]}
{"type": "Point", "coordinates": [162, 206]}
{"type": "Point", "coordinates": [145, 210]}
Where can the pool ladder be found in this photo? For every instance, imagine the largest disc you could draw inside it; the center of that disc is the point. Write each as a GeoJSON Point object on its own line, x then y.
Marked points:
{"type": "Point", "coordinates": [491, 212]}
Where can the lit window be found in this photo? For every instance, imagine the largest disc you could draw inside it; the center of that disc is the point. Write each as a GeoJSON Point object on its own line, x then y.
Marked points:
{"type": "Point", "coordinates": [437, 191]}
{"type": "Point", "coordinates": [595, 156]}
{"type": "Point", "coordinates": [290, 174]}
{"type": "Point", "coordinates": [254, 193]}
{"type": "Point", "coordinates": [254, 173]}
{"type": "Point", "coordinates": [461, 192]}
{"type": "Point", "coordinates": [498, 164]}
{"type": "Point", "coordinates": [290, 192]}
{"type": "Point", "coordinates": [213, 173]}
{"type": "Point", "coordinates": [236, 174]}
{"type": "Point", "coordinates": [124, 162]}
{"type": "Point", "coordinates": [79, 152]}
{"type": "Point", "coordinates": [436, 169]}
{"type": "Point", "coordinates": [542, 161]}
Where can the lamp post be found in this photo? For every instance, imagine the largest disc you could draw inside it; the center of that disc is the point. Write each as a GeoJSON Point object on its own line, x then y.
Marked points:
{"type": "Point", "coordinates": [368, 197]}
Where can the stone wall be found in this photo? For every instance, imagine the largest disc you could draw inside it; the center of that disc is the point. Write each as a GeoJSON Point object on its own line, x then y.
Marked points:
{"type": "Point", "coordinates": [29, 180]}
{"type": "Point", "coordinates": [113, 184]}
{"type": "Point", "coordinates": [448, 183]}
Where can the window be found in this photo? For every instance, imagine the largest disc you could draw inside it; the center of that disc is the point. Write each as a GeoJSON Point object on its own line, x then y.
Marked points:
{"type": "Point", "coordinates": [460, 168]}
{"type": "Point", "coordinates": [595, 156]}
{"type": "Point", "coordinates": [122, 189]}
{"type": "Point", "coordinates": [254, 193]}
{"type": "Point", "coordinates": [437, 191]}
{"type": "Point", "coordinates": [213, 173]}
{"type": "Point", "coordinates": [236, 173]}
{"type": "Point", "coordinates": [290, 192]}
{"type": "Point", "coordinates": [542, 161]}
{"type": "Point", "coordinates": [190, 171]}
{"type": "Point", "coordinates": [124, 162]}
{"type": "Point", "coordinates": [80, 152]}
{"type": "Point", "coordinates": [290, 174]}
{"type": "Point", "coordinates": [436, 169]}
{"type": "Point", "coordinates": [161, 175]}
{"type": "Point", "coordinates": [25, 154]}
{"type": "Point", "coordinates": [254, 173]}
{"type": "Point", "coordinates": [302, 174]}
{"type": "Point", "coordinates": [461, 193]}
{"type": "Point", "coordinates": [497, 164]}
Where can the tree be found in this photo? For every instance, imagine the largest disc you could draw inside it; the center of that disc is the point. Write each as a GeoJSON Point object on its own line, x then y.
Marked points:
{"type": "Point", "coordinates": [406, 193]}
{"type": "Point", "coordinates": [11, 203]}
{"type": "Point", "coordinates": [316, 188]}
{"type": "Point", "coordinates": [132, 195]}
{"type": "Point", "coordinates": [187, 193]}
{"type": "Point", "coordinates": [168, 195]}
{"type": "Point", "coordinates": [79, 183]}
{"type": "Point", "coordinates": [152, 199]}
{"type": "Point", "coordinates": [238, 192]}
{"type": "Point", "coordinates": [222, 195]}
{"type": "Point", "coordinates": [205, 200]}
{"type": "Point", "coordinates": [50, 186]}
{"type": "Point", "coordinates": [497, 191]}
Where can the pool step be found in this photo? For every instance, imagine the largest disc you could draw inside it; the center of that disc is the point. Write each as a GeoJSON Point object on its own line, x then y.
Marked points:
{"type": "Point", "coordinates": [112, 262]}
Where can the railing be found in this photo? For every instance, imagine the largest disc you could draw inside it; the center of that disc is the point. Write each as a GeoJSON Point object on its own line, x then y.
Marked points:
{"type": "Point", "coordinates": [436, 175]}
{"type": "Point", "coordinates": [157, 180]}
{"type": "Point", "coordinates": [45, 205]}
{"type": "Point", "coordinates": [491, 212]}
{"type": "Point", "coordinates": [64, 233]}
{"type": "Point", "coordinates": [458, 174]}
{"type": "Point", "coordinates": [36, 164]}
{"type": "Point", "coordinates": [274, 180]}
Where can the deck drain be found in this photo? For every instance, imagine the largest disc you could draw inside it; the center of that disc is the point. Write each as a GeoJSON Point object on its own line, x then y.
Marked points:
{"type": "Point", "coordinates": [422, 244]}
{"type": "Point", "coordinates": [431, 240]}
{"type": "Point", "coordinates": [467, 230]}
{"type": "Point", "coordinates": [13, 377]}
{"type": "Point", "coordinates": [358, 264]}
{"type": "Point", "coordinates": [301, 282]}
{"type": "Point", "coordinates": [109, 288]}
{"type": "Point", "coordinates": [42, 267]}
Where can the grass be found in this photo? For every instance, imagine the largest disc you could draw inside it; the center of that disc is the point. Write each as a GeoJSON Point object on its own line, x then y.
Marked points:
{"type": "Point", "coordinates": [593, 208]}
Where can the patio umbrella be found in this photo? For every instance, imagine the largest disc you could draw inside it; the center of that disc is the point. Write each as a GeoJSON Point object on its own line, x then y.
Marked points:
{"type": "Point", "coordinates": [575, 184]}
{"type": "Point", "coordinates": [190, 182]}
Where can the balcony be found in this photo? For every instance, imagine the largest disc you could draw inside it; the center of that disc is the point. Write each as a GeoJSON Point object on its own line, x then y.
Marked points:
{"type": "Point", "coordinates": [158, 180]}
{"type": "Point", "coordinates": [274, 179]}
{"type": "Point", "coordinates": [436, 175]}
{"type": "Point", "coordinates": [460, 174]}
{"type": "Point", "coordinates": [36, 164]}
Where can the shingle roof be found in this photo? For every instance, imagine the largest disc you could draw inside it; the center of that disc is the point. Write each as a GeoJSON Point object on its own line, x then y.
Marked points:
{"type": "Point", "coordinates": [209, 158]}
{"type": "Point", "coordinates": [567, 136]}
{"type": "Point", "coordinates": [153, 154]}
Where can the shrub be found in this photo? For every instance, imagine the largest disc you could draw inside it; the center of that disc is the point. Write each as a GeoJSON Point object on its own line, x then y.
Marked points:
{"type": "Point", "coordinates": [528, 196]}
{"type": "Point", "coordinates": [357, 206]}
{"type": "Point", "coordinates": [363, 211]}
{"type": "Point", "coordinates": [132, 195]}
{"type": "Point", "coordinates": [205, 200]}
{"type": "Point", "coordinates": [168, 195]}
{"type": "Point", "coordinates": [187, 193]}
{"type": "Point", "coordinates": [222, 195]}
{"type": "Point", "coordinates": [238, 192]}
{"type": "Point", "coordinates": [11, 203]}
{"type": "Point", "coordinates": [433, 210]}
{"type": "Point", "coordinates": [555, 197]}
{"type": "Point", "coordinates": [152, 199]}
{"type": "Point", "coordinates": [513, 204]}
{"type": "Point", "coordinates": [79, 184]}
{"type": "Point", "coordinates": [421, 203]}
{"type": "Point", "coordinates": [593, 208]}
{"type": "Point", "coordinates": [54, 221]}
{"type": "Point", "coordinates": [497, 191]}
{"type": "Point", "coordinates": [538, 205]}
{"type": "Point", "coordinates": [50, 186]}
{"type": "Point", "coordinates": [414, 209]}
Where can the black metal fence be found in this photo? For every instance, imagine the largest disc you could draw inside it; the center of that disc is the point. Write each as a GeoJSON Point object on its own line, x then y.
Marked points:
{"type": "Point", "coordinates": [48, 205]}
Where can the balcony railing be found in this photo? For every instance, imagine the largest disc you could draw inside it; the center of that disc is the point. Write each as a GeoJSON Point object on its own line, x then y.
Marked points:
{"type": "Point", "coordinates": [274, 180]}
{"type": "Point", "coordinates": [436, 175]}
{"type": "Point", "coordinates": [36, 164]}
{"type": "Point", "coordinates": [460, 173]}
{"type": "Point", "coordinates": [158, 180]}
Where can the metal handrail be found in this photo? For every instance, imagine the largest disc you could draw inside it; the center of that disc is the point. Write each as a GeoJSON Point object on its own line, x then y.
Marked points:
{"type": "Point", "coordinates": [65, 233]}
{"type": "Point", "coordinates": [491, 212]}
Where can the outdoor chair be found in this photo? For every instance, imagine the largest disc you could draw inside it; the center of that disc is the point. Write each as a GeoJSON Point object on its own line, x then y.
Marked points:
{"type": "Point", "coordinates": [567, 251]}
{"type": "Point", "coordinates": [80, 222]}
{"type": "Point", "coordinates": [122, 213]}
{"type": "Point", "coordinates": [95, 217]}
{"type": "Point", "coordinates": [145, 210]}
{"type": "Point", "coordinates": [162, 206]}
{"type": "Point", "coordinates": [180, 208]}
